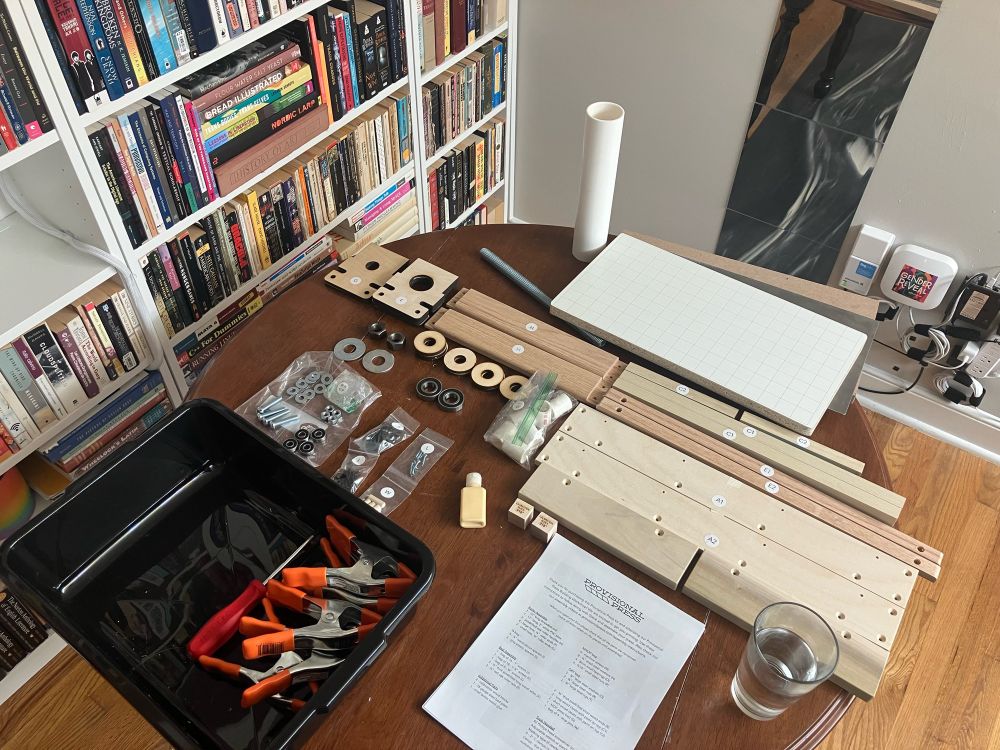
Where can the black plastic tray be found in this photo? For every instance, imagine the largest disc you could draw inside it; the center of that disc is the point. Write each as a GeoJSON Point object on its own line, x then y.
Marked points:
{"type": "Point", "coordinates": [142, 551]}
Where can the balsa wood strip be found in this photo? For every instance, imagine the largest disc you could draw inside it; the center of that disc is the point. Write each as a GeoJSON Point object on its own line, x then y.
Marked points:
{"type": "Point", "coordinates": [847, 519]}
{"type": "Point", "coordinates": [641, 543]}
{"type": "Point", "coordinates": [532, 329]}
{"type": "Point", "coordinates": [802, 442]}
{"type": "Point", "coordinates": [693, 394]}
{"type": "Point", "coordinates": [848, 557]}
{"type": "Point", "coordinates": [811, 469]}
{"type": "Point", "coordinates": [516, 353]}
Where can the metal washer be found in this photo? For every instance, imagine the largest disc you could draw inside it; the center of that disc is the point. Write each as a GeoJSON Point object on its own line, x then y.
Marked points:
{"type": "Point", "coordinates": [388, 360]}
{"type": "Point", "coordinates": [357, 347]}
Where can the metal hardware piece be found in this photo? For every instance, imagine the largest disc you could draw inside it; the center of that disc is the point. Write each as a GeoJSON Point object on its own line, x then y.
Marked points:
{"type": "Point", "coordinates": [289, 444]}
{"type": "Point", "coordinates": [451, 399]}
{"type": "Point", "coordinates": [370, 361]}
{"type": "Point", "coordinates": [376, 329]}
{"type": "Point", "coordinates": [306, 447]}
{"type": "Point", "coordinates": [396, 340]}
{"type": "Point", "coordinates": [349, 349]}
{"type": "Point", "coordinates": [429, 388]}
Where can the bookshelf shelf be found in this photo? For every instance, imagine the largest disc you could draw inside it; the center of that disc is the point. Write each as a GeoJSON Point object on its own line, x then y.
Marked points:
{"type": "Point", "coordinates": [469, 211]}
{"type": "Point", "coordinates": [54, 431]}
{"type": "Point", "coordinates": [31, 665]}
{"type": "Point", "coordinates": [198, 63]}
{"type": "Point", "coordinates": [441, 152]}
{"type": "Point", "coordinates": [29, 149]}
{"type": "Point", "coordinates": [354, 114]}
{"type": "Point", "coordinates": [453, 59]}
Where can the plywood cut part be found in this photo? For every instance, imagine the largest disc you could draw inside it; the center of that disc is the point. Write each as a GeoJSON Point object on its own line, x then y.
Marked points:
{"type": "Point", "coordinates": [515, 353]}
{"type": "Point", "coordinates": [611, 526]}
{"type": "Point", "coordinates": [901, 546]}
{"type": "Point", "coordinates": [416, 292]}
{"type": "Point", "coordinates": [850, 558]}
{"type": "Point", "coordinates": [802, 442]}
{"type": "Point", "coordinates": [530, 328]}
{"type": "Point", "coordinates": [753, 348]}
{"type": "Point", "coordinates": [362, 274]}
{"type": "Point", "coordinates": [811, 469]}
{"type": "Point", "coordinates": [693, 394]}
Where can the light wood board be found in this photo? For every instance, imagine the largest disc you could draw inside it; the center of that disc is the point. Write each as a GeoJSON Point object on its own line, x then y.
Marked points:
{"type": "Point", "coordinates": [363, 273]}
{"type": "Point", "coordinates": [802, 442]}
{"type": "Point", "coordinates": [680, 389]}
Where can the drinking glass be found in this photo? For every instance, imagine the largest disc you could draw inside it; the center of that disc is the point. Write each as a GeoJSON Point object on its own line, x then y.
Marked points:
{"type": "Point", "coordinates": [791, 650]}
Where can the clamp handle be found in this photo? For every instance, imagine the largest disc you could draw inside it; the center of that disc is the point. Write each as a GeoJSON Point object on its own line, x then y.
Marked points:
{"type": "Point", "coordinates": [342, 539]}
{"type": "Point", "coordinates": [251, 626]}
{"type": "Point", "coordinates": [331, 557]}
{"type": "Point", "coordinates": [304, 578]}
{"type": "Point", "coordinates": [211, 664]}
{"type": "Point", "coordinates": [269, 644]}
{"type": "Point", "coordinates": [396, 587]}
{"type": "Point", "coordinates": [267, 687]}
{"type": "Point", "coordinates": [288, 597]}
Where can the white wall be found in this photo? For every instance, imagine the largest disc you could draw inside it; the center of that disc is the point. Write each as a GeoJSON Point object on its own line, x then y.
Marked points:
{"type": "Point", "coordinates": [686, 72]}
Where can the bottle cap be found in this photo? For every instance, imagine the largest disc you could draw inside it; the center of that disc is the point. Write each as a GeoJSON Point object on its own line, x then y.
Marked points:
{"type": "Point", "coordinates": [473, 480]}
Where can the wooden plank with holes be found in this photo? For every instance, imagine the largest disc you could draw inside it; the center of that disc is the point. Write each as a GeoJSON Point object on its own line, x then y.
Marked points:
{"type": "Point", "coordinates": [693, 394]}
{"type": "Point", "coordinates": [515, 353]}
{"type": "Point", "coordinates": [813, 470]}
{"type": "Point", "coordinates": [843, 517]}
{"type": "Point", "coordinates": [530, 328]}
{"type": "Point", "coordinates": [802, 442]}
{"type": "Point", "coordinates": [644, 545]}
{"type": "Point", "coordinates": [850, 558]}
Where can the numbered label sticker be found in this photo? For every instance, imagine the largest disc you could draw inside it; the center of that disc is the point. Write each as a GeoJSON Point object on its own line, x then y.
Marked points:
{"type": "Point", "coordinates": [398, 426]}
{"type": "Point", "coordinates": [531, 327]}
{"type": "Point", "coordinates": [711, 540]}
{"type": "Point", "coordinates": [355, 280]}
{"type": "Point", "coordinates": [729, 434]}
{"type": "Point", "coordinates": [683, 390]}
{"type": "Point", "coordinates": [517, 349]}
{"type": "Point", "coordinates": [427, 448]}
{"type": "Point", "coordinates": [387, 492]}
{"type": "Point", "coordinates": [358, 460]}
{"type": "Point", "coordinates": [718, 501]}
{"type": "Point", "coordinates": [803, 441]}
{"type": "Point", "coordinates": [400, 300]}
{"type": "Point", "coordinates": [772, 487]}
{"type": "Point", "coordinates": [767, 471]}
{"type": "Point", "coordinates": [750, 432]}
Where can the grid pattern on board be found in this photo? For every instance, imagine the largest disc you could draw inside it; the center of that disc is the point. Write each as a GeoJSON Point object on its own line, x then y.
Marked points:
{"type": "Point", "coordinates": [751, 345]}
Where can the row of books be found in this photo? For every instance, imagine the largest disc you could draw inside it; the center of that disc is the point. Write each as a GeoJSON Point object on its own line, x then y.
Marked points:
{"type": "Point", "coordinates": [60, 365]}
{"type": "Point", "coordinates": [21, 632]}
{"type": "Point", "coordinates": [448, 26]}
{"type": "Point", "coordinates": [23, 115]}
{"type": "Point", "coordinates": [464, 94]}
{"type": "Point", "coordinates": [122, 418]}
{"type": "Point", "coordinates": [465, 174]}
{"type": "Point", "coordinates": [180, 149]}
{"type": "Point", "coordinates": [209, 262]}
{"type": "Point", "coordinates": [107, 48]}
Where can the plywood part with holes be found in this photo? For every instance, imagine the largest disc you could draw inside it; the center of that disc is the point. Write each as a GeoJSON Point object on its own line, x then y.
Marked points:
{"type": "Point", "coordinates": [362, 274]}
{"type": "Point", "coordinates": [727, 546]}
{"type": "Point", "coordinates": [514, 353]}
{"type": "Point", "coordinates": [644, 545]}
{"type": "Point", "coordinates": [815, 471]}
{"type": "Point", "coordinates": [802, 442]}
{"type": "Point", "coordinates": [636, 371]}
{"type": "Point", "coordinates": [904, 548]}
{"type": "Point", "coordinates": [840, 553]}
{"type": "Point", "coordinates": [520, 324]}
{"type": "Point", "coordinates": [416, 292]}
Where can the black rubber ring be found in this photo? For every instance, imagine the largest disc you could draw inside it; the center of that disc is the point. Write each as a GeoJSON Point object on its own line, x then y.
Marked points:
{"type": "Point", "coordinates": [451, 399]}
{"type": "Point", "coordinates": [429, 388]}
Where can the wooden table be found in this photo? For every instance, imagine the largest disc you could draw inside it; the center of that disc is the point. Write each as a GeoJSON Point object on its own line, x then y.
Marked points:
{"type": "Point", "coordinates": [478, 568]}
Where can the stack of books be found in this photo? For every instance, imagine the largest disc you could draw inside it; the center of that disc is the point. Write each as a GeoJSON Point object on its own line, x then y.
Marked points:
{"type": "Point", "coordinates": [122, 418]}
{"type": "Point", "coordinates": [23, 116]}
{"type": "Point", "coordinates": [465, 174]}
{"type": "Point", "coordinates": [448, 26]}
{"type": "Point", "coordinates": [463, 95]}
{"type": "Point", "coordinates": [21, 632]}
{"type": "Point", "coordinates": [59, 366]}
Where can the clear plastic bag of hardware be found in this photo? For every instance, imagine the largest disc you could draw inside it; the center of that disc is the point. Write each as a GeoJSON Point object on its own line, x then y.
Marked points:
{"type": "Point", "coordinates": [311, 407]}
{"type": "Point", "coordinates": [403, 475]}
{"type": "Point", "coordinates": [522, 426]}
{"type": "Point", "coordinates": [364, 451]}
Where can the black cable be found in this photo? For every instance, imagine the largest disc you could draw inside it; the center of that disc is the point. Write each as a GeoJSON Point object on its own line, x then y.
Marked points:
{"type": "Point", "coordinates": [903, 390]}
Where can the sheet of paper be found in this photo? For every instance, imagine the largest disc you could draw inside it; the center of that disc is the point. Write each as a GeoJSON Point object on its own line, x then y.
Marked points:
{"type": "Point", "coordinates": [578, 657]}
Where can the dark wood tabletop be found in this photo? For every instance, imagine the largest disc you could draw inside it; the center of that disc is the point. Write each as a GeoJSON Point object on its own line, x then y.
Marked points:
{"type": "Point", "coordinates": [477, 569]}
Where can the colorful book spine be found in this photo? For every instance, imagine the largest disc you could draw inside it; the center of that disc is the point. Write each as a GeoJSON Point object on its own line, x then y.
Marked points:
{"type": "Point", "coordinates": [112, 430]}
{"type": "Point", "coordinates": [175, 31]}
{"type": "Point", "coordinates": [105, 61]}
{"type": "Point", "coordinates": [141, 172]}
{"type": "Point", "coordinates": [53, 362]}
{"type": "Point", "coordinates": [103, 337]}
{"type": "Point", "coordinates": [76, 362]}
{"type": "Point", "coordinates": [162, 409]}
{"type": "Point", "coordinates": [88, 349]}
{"type": "Point", "coordinates": [13, 370]}
{"type": "Point", "coordinates": [40, 378]}
{"type": "Point", "coordinates": [39, 120]}
{"type": "Point", "coordinates": [79, 53]}
{"type": "Point", "coordinates": [115, 37]}
{"type": "Point", "coordinates": [108, 313]}
{"type": "Point", "coordinates": [159, 35]}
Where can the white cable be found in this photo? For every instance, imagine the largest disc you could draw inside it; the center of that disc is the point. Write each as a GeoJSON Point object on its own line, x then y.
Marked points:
{"type": "Point", "coordinates": [944, 383]}
{"type": "Point", "coordinates": [10, 194]}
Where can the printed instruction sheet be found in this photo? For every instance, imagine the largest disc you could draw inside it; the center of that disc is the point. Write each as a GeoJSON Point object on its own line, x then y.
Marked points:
{"type": "Point", "coordinates": [578, 657]}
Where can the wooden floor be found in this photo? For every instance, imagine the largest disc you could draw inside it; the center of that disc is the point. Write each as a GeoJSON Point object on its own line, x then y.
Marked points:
{"type": "Point", "coordinates": [941, 689]}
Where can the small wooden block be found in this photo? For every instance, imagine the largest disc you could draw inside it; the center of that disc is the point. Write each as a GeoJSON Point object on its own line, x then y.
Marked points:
{"type": "Point", "coordinates": [376, 502]}
{"type": "Point", "coordinates": [520, 514]}
{"type": "Point", "coordinates": [543, 527]}
{"type": "Point", "coordinates": [365, 272]}
{"type": "Point", "coordinates": [418, 291]}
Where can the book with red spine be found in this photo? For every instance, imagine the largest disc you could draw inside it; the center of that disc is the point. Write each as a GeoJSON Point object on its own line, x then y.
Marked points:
{"type": "Point", "coordinates": [79, 54]}
{"type": "Point", "coordinates": [6, 133]}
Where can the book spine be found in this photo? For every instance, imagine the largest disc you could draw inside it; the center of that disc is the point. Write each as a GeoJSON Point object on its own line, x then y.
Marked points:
{"type": "Point", "coordinates": [271, 231]}
{"type": "Point", "coordinates": [76, 362]}
{"type": "Point", "coordinates": [253, 128]}
{"type": "Point", "coordinates": [210, 179]}
{"type": "Point", "coordinates": [293, 199]}
{"type": "Point", "coordinates": [220, 257]}
{"type": "Point", "coordinates": [352, 42]}
{"type": "Point", "coordinates": [142, 40]}
{"type": "Point", "coordinates": [167, 268]}
{"type": "Point", "coordinates": [257, 222]}
{"type": "Point", "coordinates": [12, 650]}
{"type": "Point", "coordinates": [180, 192]}
{"type": "Point", "coordinates": [13, 370]}
{"type": "Point", "coordinates": [154, 170]}
{"type": "Point", "coordinates": [239, 246]}
{"type": "Point", "coordinates": [117, 185]}
{"type": "Point", "coordinates": [225, 89]}
{"type": "Point", "coordinates": [120, 148]}
{"type": "Point", "coordinates": [201, 180]}
{"type": "Point", "coordinates": [88, 350]}
{"type": "Point", "coordinates": [228, 251]}
{"type": "Point", "coordinates": [346, 61]}
{"type": "Point", "coordinates": [116, 332]}
{"type": "Point", "coordinates": [185, 263]}
{"type": "Point", "coordinates": [262, 102]}
{"type": "Point", "coordinates": [102, 52]}
{"type": "Point", "coordinates": [184, 17]}
{"type": "Point", "coordinates": [6, 131]}
{"type": "Point", "coordinates": [20, 621]}
{"type": "Point", "coordinates": [53, 363]}
{"type": "Point", "coordinates": [38, 119]}
{"type": "Point", "coordinates": [103, 339]}
{"type": "Point", "coordinates": [78, 51]}
{"type": "Point", "coordinates": [132, 326]}
{"type": "Point", "coordinates": [156, 292]}
{"type": "Point", "coordinates": [111, 365]}
{"type": "Point", "coordinates": [133, 431]}
{"type": "Point", "coordinates": [202, 18]}
{"type": "Point", "coordinates": [282, 218]}
{"type": "Point", "coordinates": [233, 20]}
{"type": "Point", "coordinates": [383, 54]}
{"type": "Point", "coordinates": [176, 34]}
{"type": "Point", "coordinates": [156, 279]}
{"type": "Point", "coordinates": [141, 173]}
{"type": "Point", "coordinates": [219, 21]}
{"type": "Point", "coordinates": [178, 144]}
{"type": "Point", "coordinates": [22, 428]}
{"type": "Point", "coordinates": [152, 401]}
{"type": "Point", "coordinates": [9, 105]}
{"type": "Point", "coordinates": [206, 261]}
{"type": "Point", "coordinates": [249, 237]}
{"type": "Point", "coordinates": [130, 42]}
{"type": "Point", "coordinates": [113, 35]}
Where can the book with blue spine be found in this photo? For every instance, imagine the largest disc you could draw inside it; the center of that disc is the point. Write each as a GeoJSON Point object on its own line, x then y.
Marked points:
{"type": "Point", "coordinates": [351, 35]}
{"type": "Point", "coordinates": [159, 36]}
{"type": "Point", "coordinates": [105, 61]}
{"type": "Point", "coordinates": [175, 31]}
{"type": "Point", "coordinates": [146, 153]}
{"type": "Point", "coordinates": [10, 109]}
{"type": "Point", "coordinates": [116, 43]}
{"type": "Point", "coordinates": [175, 132]}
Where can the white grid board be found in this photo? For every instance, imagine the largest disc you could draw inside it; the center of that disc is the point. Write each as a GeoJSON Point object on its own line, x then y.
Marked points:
{"type": "Point", "coordinates": [768, 354]}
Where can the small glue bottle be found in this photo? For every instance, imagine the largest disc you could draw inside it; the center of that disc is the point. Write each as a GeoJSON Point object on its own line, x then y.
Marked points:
{"type": "Point", "coordinates": [473, 511]}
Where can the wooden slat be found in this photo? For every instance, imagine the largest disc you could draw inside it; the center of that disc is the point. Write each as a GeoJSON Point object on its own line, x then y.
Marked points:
{"type": "Point", "coordinates": [638, 541]}
{"type": "Point", "coordinates": [850, 558]}
{"type": "Point", "coordinates": [802, 442]}
{"type": "Point", "coordinates": [515, 353]}
{"type": "Point", "coordinates": [529, 328]}
{"type": "Point", "coordinates": [693, 394]}
{"type": "Point", "coordinates": [833, 512]}
{"type": "Point", "coordinates": [815, 471]}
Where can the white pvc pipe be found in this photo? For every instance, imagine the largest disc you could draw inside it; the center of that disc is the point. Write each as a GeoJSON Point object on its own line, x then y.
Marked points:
{"type": "Point", "coordinates": [602, 139]}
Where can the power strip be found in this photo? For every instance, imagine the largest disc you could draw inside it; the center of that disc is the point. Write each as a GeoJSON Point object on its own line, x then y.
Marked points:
{"type": "Point", "coordinates": [987, 362]}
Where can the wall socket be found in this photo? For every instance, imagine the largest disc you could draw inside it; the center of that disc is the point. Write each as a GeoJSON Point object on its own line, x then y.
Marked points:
{"type": "Point", "coordinates": [987, 362]}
